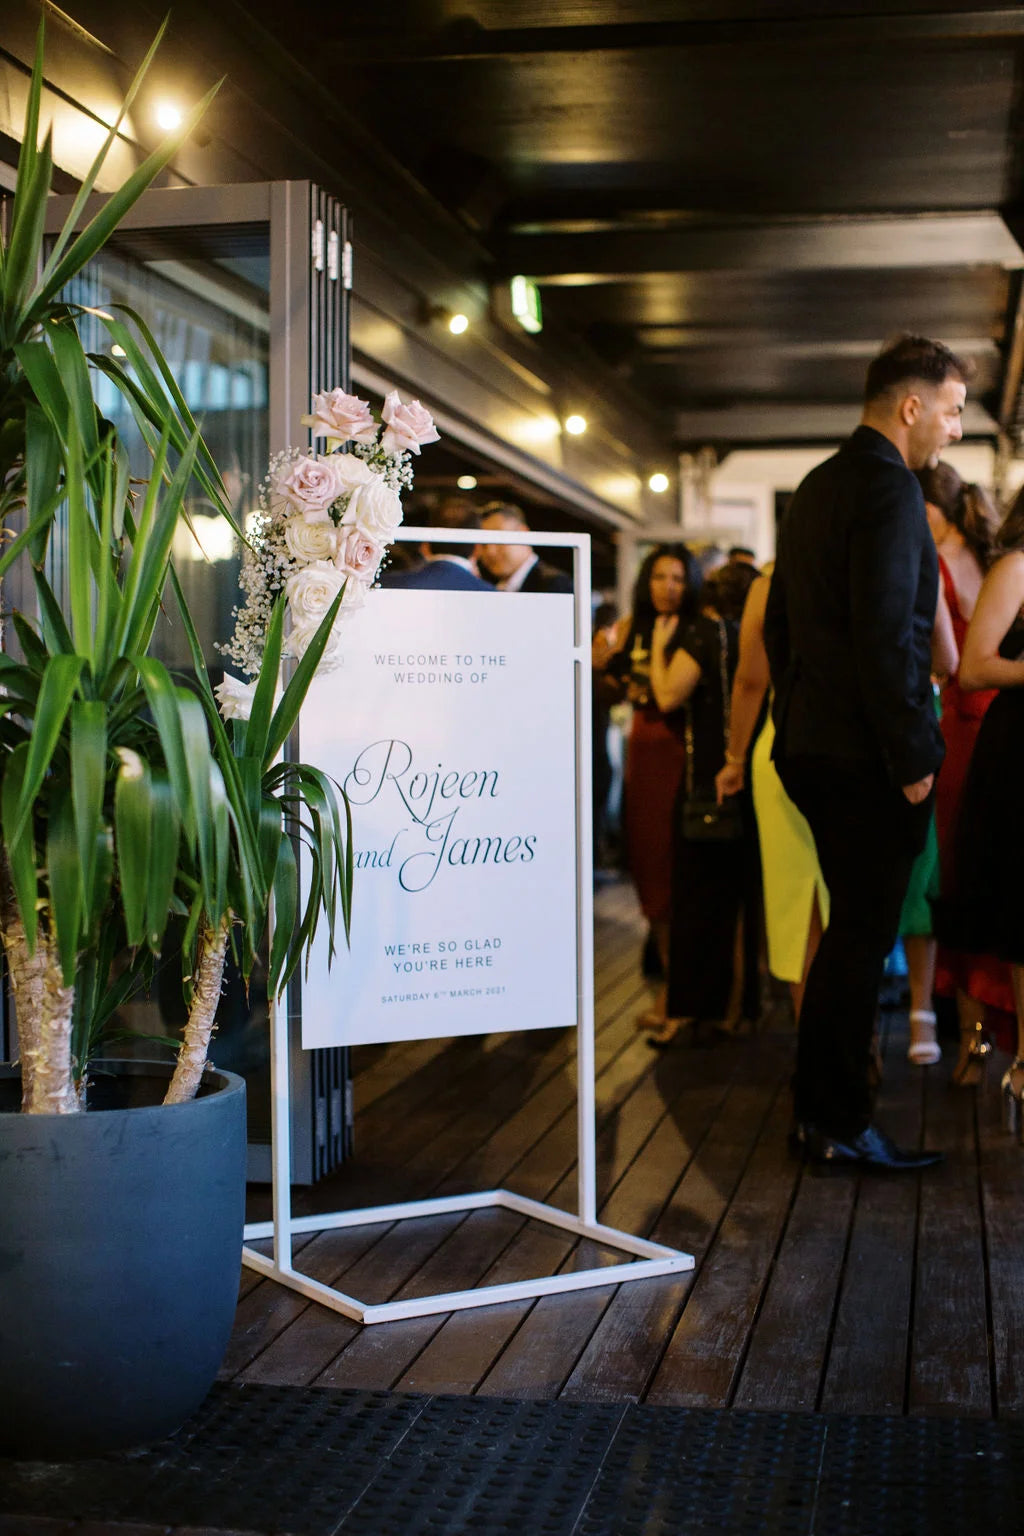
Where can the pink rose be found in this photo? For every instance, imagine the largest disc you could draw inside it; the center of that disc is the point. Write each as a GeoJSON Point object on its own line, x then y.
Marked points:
{"type": "Point", "coordinates": [407, 425]}
{"type": "Point", "coordinates": [342, 417]}
{"type": "Point", "coordinates": [311, 486]}
{"type": "Point", "coordinates": [358, 555]}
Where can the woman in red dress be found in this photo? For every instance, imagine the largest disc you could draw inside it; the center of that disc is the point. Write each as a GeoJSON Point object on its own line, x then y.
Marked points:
{"type": "Point", "coordinates": [668, 584]}
{"type": "Point", "coordinates": [964, 523]}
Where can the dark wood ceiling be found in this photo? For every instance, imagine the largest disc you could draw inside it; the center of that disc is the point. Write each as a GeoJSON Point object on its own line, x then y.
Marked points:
{"type": "Point", "coordinates": [732, 204]}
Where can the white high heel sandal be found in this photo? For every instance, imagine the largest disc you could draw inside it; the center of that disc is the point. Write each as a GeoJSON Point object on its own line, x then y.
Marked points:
{"type": "Point", "coordinates": [924, 1053]}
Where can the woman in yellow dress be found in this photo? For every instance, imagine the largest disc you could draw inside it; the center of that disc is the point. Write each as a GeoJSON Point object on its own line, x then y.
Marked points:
{"type": "Point", "coordinates": [795, 894]}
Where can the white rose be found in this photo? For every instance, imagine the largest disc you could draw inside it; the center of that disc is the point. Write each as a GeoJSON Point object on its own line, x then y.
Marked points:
{"type": "Point", "coordinates": [310, 541]}
{"type": "Point", "coordinates": [235, 697]}
{"type": "Point", "coordinates": [312, 590]}
{"type": "Point", "coordinates": [375, 510]}
{"type": "Point", "coordinates": [351, 471]}
{"type": "Point", "coordinates": [300, 636]}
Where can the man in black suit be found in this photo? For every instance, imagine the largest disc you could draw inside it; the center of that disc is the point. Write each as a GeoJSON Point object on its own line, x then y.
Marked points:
{"type": "Point", "coordinates": [848, 633]}
{"type": "Point", "coordinates": [517, 567]}
{"type": "Point", "coordinates": [443, 567]}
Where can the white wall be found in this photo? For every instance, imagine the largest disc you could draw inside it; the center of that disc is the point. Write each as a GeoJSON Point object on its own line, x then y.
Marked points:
{"type": "Point", "coordinates": [743, 489]}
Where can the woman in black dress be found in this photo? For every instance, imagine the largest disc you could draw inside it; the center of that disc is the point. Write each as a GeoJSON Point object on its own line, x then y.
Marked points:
{"type": "Point", "coordinates": [712, 973]}
{"type": "Point", "coordinates": [984, 912]}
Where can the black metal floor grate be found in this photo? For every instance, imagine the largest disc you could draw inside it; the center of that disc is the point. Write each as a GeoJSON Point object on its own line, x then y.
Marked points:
{"type": "Point", "coordinates": [290, 1461]}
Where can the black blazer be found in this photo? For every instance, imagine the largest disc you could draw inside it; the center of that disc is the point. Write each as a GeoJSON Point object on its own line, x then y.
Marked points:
{"type": "Point", "coordinates": [542, 577]}
{"type": "Point", "coordinates": [850, 615]}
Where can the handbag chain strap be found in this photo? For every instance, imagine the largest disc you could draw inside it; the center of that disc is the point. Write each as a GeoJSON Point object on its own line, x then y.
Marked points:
{"type": "Point", "coordinates": [723, 672]}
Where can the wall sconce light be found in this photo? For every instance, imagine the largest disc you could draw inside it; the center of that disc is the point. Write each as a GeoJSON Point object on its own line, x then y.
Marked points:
{"type": "Point", "coordinates": [658, 483]}
{"type": "Point", "coordinates": [168, 116]}
{"type": "Point", "coordinates": [457, 324]}
{"type": "Point", "coordinates": [576, 425]}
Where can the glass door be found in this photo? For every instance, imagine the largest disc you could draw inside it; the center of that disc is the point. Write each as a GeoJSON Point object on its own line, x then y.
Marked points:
{"type": "Point", "coordinates": [245, 290]}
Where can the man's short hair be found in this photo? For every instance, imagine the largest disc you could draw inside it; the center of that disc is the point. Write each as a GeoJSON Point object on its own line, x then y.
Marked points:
{"type": "Point", "coordinates": [452, 513]}
{"type": "Point", "coordinates": [913, 358]}
{"type": "Point", "coordinates": [506, 509]}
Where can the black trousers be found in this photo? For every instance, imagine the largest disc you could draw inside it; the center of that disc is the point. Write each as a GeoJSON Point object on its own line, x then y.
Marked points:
{"type": "Point", "coordinates": [867, 835]}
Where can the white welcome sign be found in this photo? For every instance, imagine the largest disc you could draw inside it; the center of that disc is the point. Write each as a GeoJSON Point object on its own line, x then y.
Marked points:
{"type": "Point", "coordinates": [451, 727]}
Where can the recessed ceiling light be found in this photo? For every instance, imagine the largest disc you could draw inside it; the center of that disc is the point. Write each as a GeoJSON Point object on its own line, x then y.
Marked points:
{"type": "Point", "coordinates": [658, 483]}
{"type": "Point", "coordinates": [576, 425]}
{"type": "Point", "coordinates": [466, 482]}
{"type": "Point", "coordinates": [458, 323]}
{"type": "Point", "coordinates": [168, 116]}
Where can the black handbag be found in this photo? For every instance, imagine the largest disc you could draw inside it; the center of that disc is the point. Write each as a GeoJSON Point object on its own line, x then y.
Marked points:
{"type": "Point", "coordinates": [705, 821]}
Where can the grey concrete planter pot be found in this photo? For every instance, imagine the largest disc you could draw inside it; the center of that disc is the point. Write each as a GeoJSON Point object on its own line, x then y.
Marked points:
{"type": "Point", "coordinates": [120, 1247]}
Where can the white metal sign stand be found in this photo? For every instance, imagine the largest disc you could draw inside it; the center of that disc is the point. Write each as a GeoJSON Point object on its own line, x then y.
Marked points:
{"type": "Point", "coordinates": [648, 1259]}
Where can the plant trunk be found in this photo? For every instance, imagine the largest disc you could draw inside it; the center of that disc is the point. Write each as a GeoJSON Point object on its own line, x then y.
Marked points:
{"type": "Point", "coordinates": [44, 1008]}
{"type": "Point", "coordinates": [209, 975]}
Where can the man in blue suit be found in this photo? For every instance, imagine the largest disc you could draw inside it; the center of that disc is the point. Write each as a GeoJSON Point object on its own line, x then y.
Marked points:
{"type": "Point", "coordinates": [444, 567]}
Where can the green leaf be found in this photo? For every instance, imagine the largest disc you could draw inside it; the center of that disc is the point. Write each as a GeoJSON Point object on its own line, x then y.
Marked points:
{"type": "Point", "coordinates": [286, 906]}
{"type": "Point", "coordinates": [257, 727]}
{"type": "Point", "coordinates": [161, 695]}
{"type": "Point", "coordinates": [58, 689]}
{"type": "Point", "coordinates": [55, 630]}
{"type": "Point", "coordinates": [65, 881]}
{"type": "Point", "coordinates": [74, 376]}
{"type": "Point", "coordinates": [202, 789]}
{"type": "Point", "coordinates": [156, 549]}
{"type": "Point", "coordinates": [36, 654]}
{"type": "Point", "coordinates": [88, 781]}
{"type": "Point", "coordinates": [165, 833]}
{"type": "Point", "coordinates": [20, 849]}
{"type": "Point", "coordinates": [133, 818]}
{"type": "Point", "coordinates": [28, 225]}
{"type": "Point", "coordinates": [162, 399]}
{"type": "Point", "coordinates": [43, 464]}
{"type": "Point", "coordinates": [287, 711]}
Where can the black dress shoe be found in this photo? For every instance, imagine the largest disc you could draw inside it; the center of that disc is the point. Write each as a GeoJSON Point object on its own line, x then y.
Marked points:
{"type": "Point", "coordinates": [872, 1151]}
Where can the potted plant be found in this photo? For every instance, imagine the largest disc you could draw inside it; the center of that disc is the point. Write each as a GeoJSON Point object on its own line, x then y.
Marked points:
{"type": "Point", "coordinates": [126, 799]}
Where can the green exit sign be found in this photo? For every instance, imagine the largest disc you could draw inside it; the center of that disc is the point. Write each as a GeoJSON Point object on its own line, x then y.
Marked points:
{"type": "Point", "coordinates": [525, 298]}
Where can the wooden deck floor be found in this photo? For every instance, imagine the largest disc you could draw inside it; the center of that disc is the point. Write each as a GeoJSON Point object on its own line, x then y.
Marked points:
{"type": "Point", "coordinates": [842, 1294]}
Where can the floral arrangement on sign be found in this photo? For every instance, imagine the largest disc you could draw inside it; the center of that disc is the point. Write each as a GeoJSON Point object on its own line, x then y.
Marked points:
{"type": "Point", "coordinates": [324, 525]}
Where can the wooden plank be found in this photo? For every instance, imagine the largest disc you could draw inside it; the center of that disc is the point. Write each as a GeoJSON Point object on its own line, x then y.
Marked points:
{"type": "Point", "coordinates": [544, 1351]}
{"type": "Point", "coordinates": [539, 1250]}
{"type": "Point", "coordinates": [788, 1347]}
{"type": "Point", "coordinates": [378, 1356]}
{"type": "Point", "coordinates": [701, 1365]}
{"type": "Point", "coordinates": [625, 1350]}
{"type": "Point", "coordinates": [950, 1368]}
{"type": "Point", "coordinates": [1002, 1164]}
{"type": "Point", "coordinates": [299, 1353]}
{"type": "Point", "coordinates": [462, 1350]}
{"type": "Point", "coordinates": [866, 1370]}
{"type": "Point", "coordinates": [270, 1308]}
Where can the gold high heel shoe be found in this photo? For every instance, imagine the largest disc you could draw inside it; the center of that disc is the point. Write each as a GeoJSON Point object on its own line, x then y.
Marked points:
{"type": "Point", "coordinates": [975, 1049]}
{"type": "Point", "coordinates": [1013, 1092]}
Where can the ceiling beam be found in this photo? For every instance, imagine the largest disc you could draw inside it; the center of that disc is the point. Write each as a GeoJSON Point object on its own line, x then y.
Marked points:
{"type": "Point", "coordinates": [465, 39]}
{"type": "Point", "coordinates": [670, 344]}
{"type": "Point", "coordinates": [796, 245]}
{"type": "Point", "coordinates": [791, 421]}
